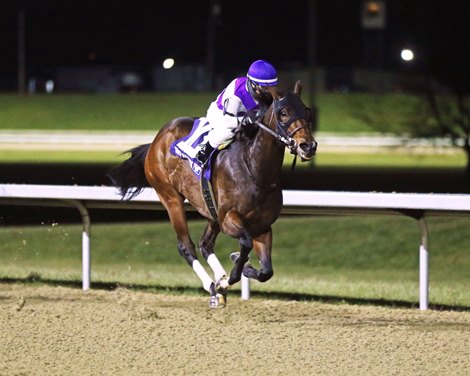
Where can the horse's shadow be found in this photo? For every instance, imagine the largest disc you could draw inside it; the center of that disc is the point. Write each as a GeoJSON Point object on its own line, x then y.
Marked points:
{"type": "Point", "coordinates": [270, 295]}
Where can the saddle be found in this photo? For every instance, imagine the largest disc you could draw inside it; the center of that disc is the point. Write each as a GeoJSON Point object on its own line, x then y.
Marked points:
{"type": "Point", "coordinates": [187, 148]}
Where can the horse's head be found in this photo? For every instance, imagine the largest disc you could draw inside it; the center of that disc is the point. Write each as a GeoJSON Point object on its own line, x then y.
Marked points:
{"type": "Point", "coordinates": [293, 122]}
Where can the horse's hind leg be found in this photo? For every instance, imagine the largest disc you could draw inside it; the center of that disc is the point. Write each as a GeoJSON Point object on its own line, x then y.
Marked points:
{"type": "Point", "coordinates": [241, 258]}
{"type": "Point", "coordinates": [233, 226]}
{"type": "Point", "coordinates": [206, 246]}
{"type": "Point", "coordinates": [262, 246]}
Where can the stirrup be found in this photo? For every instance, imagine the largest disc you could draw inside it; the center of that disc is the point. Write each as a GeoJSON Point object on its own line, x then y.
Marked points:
{"type": "Point", "coordinates": [202, 158]}
{"type": "Point", "coordinates": [204, 153]}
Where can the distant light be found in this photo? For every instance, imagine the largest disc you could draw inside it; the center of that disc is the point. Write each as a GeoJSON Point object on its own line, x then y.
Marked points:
{"type": "Point", "coordinates": [373, 7]}
{"type": "Point", "coordinates": [49, 86]}
{"type": "Point", "coordinates": [168, 63]}
{"type": "Point", "coordinates": [407, 55]}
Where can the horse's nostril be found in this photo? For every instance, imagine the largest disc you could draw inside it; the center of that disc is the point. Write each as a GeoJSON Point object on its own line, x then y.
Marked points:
{"type": "Point", "coordinates": [305, 146]}
{"type": "Point", "coordinates": [308, 147]}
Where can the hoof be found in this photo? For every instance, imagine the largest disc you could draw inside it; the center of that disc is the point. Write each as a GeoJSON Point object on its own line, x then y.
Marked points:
{"type": "Point", "coordinates": [218, 301]}
{"type": "Point", "coordinates": [234, 256]}
{"type": "Point", "coordinates": [222, 284]}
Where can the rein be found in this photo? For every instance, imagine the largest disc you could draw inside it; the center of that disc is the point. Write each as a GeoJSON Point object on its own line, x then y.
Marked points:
{"type": "Point", "coordinates": [287, 141]}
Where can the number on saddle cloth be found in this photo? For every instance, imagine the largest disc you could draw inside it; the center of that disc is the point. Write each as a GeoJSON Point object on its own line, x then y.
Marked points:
{"type": "Point", "coordinates": [188, 146]}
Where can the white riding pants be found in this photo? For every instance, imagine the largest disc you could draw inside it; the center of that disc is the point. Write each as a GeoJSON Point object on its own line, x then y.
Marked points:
{"type": "Point", "coordinates": [223, 126]}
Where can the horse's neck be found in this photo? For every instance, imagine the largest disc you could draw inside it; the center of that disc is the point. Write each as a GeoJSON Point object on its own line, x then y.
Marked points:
{"type": "Point", "coordinates": [265, 157]}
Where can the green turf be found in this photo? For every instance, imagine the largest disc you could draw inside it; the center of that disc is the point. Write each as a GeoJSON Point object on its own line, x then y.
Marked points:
{"type": "Point", "coordinates": [371, 258]}
{"type": "Point", "coordinates": [357, 112]}
{"type": "Point", "coordinates": [54, 156]}
{"type": "Point", "coordinates": [384, 159]}
{"type": "Point", "coordinates": [98, 111]}
{"type": "Point", "coordinates": [323, 159]}
{"type": "Point", "coordinates": [337, 112]}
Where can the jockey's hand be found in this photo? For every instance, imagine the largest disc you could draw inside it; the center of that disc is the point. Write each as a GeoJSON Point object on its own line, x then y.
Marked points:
{"type": "Point", "coordinates": [250, 118]}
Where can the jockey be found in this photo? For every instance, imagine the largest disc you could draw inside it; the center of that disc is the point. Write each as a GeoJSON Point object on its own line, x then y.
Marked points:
{"type": "Point", "coordinates": [237, 102]}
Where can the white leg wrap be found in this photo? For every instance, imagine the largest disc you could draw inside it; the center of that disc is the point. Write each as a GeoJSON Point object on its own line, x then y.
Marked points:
{"type": "Point", "coordinates": [203, 276]}
{"type": "Point", "coordinates": [216, 266]}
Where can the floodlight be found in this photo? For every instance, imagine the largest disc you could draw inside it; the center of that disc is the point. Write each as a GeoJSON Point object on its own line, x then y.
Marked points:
{"type": "Point", "coordinates": [407, 55]}
{"type": "Point", "coordinates": [168, 63]}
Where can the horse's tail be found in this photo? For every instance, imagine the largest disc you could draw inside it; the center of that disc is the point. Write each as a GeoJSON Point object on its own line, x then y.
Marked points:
{"type": "Point", "coordinates": [129, 176]}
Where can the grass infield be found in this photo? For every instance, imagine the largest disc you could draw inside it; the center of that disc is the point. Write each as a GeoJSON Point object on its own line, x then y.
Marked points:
{"type": "Point", "coordinates": [365, 258]}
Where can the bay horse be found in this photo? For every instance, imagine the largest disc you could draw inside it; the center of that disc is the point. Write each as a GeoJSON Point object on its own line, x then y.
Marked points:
{"type": "Point", "coordinates": [245, 183]}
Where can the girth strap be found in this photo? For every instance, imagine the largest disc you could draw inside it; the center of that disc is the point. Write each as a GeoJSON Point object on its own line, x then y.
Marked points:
{"type": "Point", "coordinates": [208, 196]}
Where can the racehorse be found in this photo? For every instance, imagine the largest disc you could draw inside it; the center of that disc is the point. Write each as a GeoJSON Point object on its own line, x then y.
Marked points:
{"type": "Point", "coordinates": [245, 183]}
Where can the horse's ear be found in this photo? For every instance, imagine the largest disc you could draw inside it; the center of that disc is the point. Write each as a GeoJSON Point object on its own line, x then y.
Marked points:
{"type": "Point", "coordinates": [298, 88]}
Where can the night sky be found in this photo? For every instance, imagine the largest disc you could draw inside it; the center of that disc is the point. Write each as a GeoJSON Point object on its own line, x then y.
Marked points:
{"type": "Point", "coordinates": [142, 33]}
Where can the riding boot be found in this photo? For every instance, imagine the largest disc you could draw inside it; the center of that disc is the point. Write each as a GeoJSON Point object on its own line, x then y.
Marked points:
{"type": "Point", "coordinates": [203, 155]}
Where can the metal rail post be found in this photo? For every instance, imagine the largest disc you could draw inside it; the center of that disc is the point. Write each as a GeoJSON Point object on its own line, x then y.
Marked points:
{"type": "Point", "coordinates": [245, 295]}
{"type": "Point", "coordinates": [423, 266]}
{"type": "Point", "coordinates": [86, 264]}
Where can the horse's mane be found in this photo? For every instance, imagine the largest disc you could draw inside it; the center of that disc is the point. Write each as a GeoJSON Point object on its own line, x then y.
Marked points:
{"type": "Point", "coordinates": [246, 132]}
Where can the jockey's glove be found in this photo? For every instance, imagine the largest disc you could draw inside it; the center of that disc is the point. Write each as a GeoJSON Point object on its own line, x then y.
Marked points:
{"type": "Point", "coordinates": [250, 118]}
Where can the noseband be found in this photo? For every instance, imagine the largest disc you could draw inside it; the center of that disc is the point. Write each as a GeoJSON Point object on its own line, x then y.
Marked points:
{"type": "Point", "coordinates": [282, 129]}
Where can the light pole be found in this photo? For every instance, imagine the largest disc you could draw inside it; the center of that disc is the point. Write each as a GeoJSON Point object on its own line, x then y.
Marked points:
{"type": "Point", "coordinates": [214, 14]}
{"type": "Point", "coordinates": [21, 52]}
{"type": "Point", "coordinates": [312, 59]}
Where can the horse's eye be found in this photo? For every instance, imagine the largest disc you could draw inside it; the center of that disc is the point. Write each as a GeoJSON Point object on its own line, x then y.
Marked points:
{"type": "Point", "coordinates": [283, 113]}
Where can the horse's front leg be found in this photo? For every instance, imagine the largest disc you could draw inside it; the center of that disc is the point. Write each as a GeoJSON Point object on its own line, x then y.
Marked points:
{"type": "Point", "coordinates": [262, 245]}
{"type": "Point", "coordinates": [206, 246]}
{"type": "Point", "coordinates": [173, 203]}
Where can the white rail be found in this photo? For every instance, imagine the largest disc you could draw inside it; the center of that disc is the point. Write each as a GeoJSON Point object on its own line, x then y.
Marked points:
{"type": "Point", "coordinates": [417, 206]}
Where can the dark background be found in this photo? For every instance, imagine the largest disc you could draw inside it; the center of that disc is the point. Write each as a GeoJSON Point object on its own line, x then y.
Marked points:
{"type": "Point", "coordinates": [64, 33]}
{"type": "Point", "coordinates": [423, 180]}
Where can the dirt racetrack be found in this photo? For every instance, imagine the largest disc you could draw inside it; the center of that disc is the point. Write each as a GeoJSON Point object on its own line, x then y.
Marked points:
{"type": "Point", "coordinates": [64, 331]}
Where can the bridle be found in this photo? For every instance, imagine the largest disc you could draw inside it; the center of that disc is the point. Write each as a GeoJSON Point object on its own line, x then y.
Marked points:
{"type": "Point", "coordinates": [282, 133]}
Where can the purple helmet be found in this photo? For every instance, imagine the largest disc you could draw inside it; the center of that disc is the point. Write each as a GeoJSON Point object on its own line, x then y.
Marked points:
{"type": "Point", "coordinates": [262, 73]}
